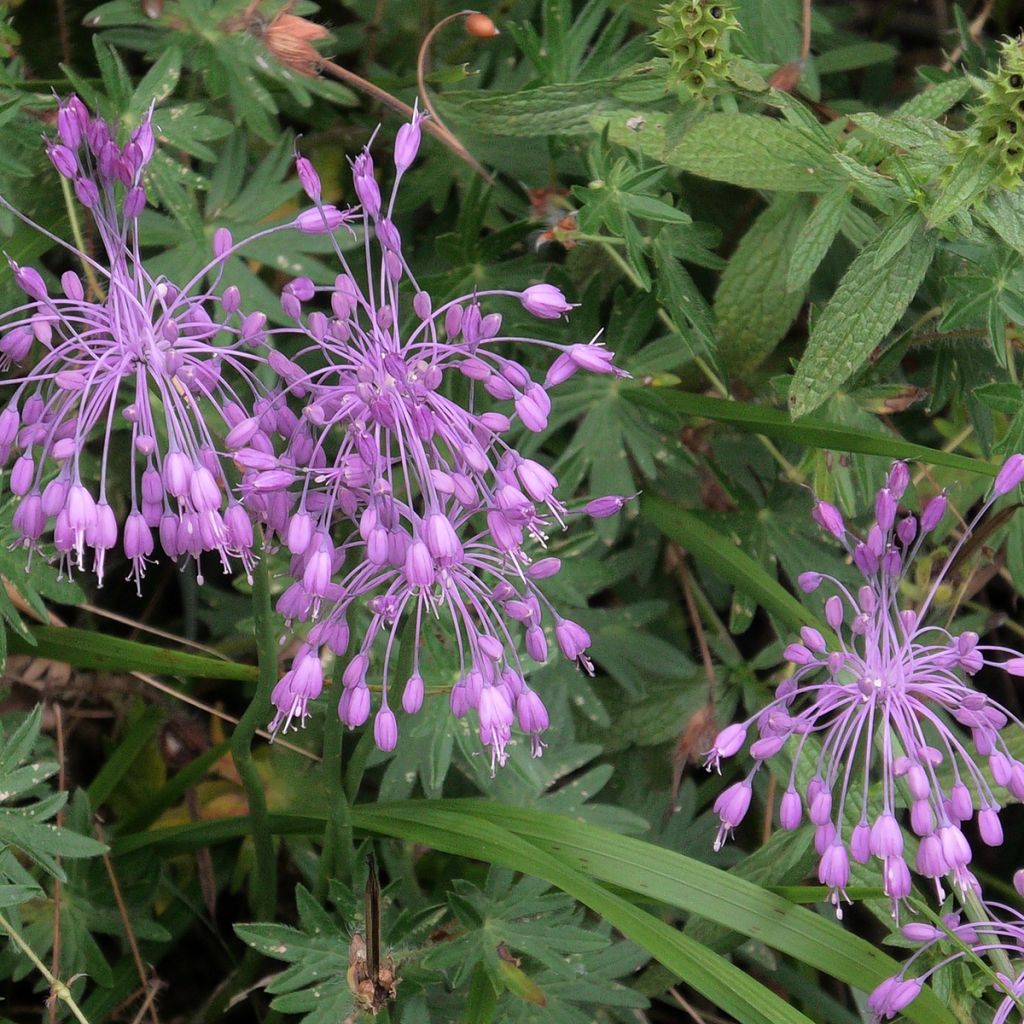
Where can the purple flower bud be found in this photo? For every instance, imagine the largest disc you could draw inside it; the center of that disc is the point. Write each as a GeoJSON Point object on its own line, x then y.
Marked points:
{"type": "Point", "coordinates": [798, 654]}
{"type": "Point", "coordinates": [412, 696]}
{"type": "Point", "coordinates": [354, 706]}
{"type": "Point", "coordinates": [322, 220]}
{"type": "Point", "coordinates": [29, 281]}
{"type": "Point", "coordinates": [71, 120]}
{"type": "Point", "coordinates": [885, 509]}
{"type": "Point", "coordinates": [898, 479]}
{"type": "Point", "coordinates": [407, 143]}
{"type": "Point", "coordinates": [366, 186]}
{"type": "Point", "coordinates": [809, 581]}
{"type": "Point", "coordinates": [64, 160]}
{"type": "Point", "coordinates": [222, 242]}
{"type": "Point", "coordinates": [134, 202]}
{"type": "Point", "coordinates": [572, 638]}
{"type": "Point", "coordinates": [1010, 475]}
{"type": "Point", "coordinates": [544, 568]}
{"type": "Point", "coordinates": [545, 301]}
{"type": "Point", "coordinates": [860, 842]}
{"type": "Point", "coordinates": [790, 810]}
{"type": "Point", "coordinates": [419, 566]}
{"type": "Point", "coordinates": [989, 827]}
{"type": "Point", "coordinates": [441, 539]}
{"type": "Point", "coordinates": [308, 178]}
{"type": "Point", "coordinates": [906, 530]}
{"type": "Point", "coordinates": [385, 729]}
{"type": "Point", "coordinates": [933, 513]}
{"type": "Point", "coordinates": [919, 931]}
{"type": "Point", "coordinates": [601, 508]}
{"type": "Point", "coordinates": [829, 518]}
{"type": "Point", "coordinates": [533, 716]}
{"type": "Point", "coordinates": [87, 192]}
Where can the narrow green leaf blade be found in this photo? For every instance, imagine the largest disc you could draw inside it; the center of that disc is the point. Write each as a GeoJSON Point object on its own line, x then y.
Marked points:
{"type": "Point", "coordinates": [727, 560]}
{"type": "Point", "coordinates": [81, 648]}
{"type": "Point", "coordinates": [774, 423]}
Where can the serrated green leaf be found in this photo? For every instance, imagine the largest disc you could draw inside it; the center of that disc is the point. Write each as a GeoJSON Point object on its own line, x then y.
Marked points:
{"type": "Point", "coordinates": [752, 305]}
{"type": "Point", "coordinates": [970, 178]}
{"type": "Point", "coordinates": [816, 237]}
{"type": "Point", "coordinates": [755, 152]}
{"type": "Point", "coordinates": [564, 109]}
{"type": "Point", "coordinates": [859, 315]}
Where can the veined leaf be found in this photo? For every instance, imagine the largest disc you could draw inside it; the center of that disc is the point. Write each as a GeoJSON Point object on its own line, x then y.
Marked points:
{"type": "Point", "coordinates": [753, 306]}
{"type": "Point", "coordinates": [859, 315]}
{"type": "Point", "coordinates": [755, 152]}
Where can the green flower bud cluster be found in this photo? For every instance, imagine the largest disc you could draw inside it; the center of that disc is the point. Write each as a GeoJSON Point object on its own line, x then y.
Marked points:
{"type": "Point", "coordinates": [999, 116]}
{"type": "Point", "coordinates": [694, 37]}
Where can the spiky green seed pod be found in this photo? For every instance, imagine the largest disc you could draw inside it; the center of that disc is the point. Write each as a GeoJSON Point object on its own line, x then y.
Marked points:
{"type": "Point", "coordinates": [999, 116]}
{"type": "Point", "coordinates": [694, 37]}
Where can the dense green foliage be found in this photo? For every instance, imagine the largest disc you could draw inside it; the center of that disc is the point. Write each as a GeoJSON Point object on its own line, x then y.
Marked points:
{"type": "Point", "coordinates": [809, 263]}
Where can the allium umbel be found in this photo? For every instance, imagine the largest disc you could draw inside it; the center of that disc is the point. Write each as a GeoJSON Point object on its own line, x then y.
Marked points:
{"type": "Point", "coordinates": [886, 696]}
{"type": "Point", "coordinates": [439, 512]}
{"type": "Point", "coordinates": [172, 365]}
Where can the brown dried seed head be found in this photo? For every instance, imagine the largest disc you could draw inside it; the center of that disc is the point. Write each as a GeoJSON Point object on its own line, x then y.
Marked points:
{"type": "Point", "coordinates": [289, 38]}
{"type": "Point", "coordinates": [481, 26]}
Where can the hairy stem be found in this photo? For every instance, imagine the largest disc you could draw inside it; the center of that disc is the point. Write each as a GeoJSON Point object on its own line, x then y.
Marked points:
{"type": "Point", "coordinates": [76, 233]}
{"type": "Point", "coordinates": [58, 990]}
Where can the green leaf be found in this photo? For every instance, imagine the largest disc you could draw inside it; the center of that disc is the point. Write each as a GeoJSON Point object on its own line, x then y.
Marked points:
{"type": "Point", "coordinates": [82, 648]}
{"type": "Point", "coordinates": [753, 307]}
{"type": "Point", "coordinates": [725, 559]}
{"type": "Point", "coordinates": [970, 177]}
{"type": "Point", "coordinates": [755, 152]}
{"type": "Point", "coordinates": [729, 988]}
{"type": "Point", "coordinates": [861, 312]}
{"type": "Point", "coordinates": [699, 888]}
{"type": "Point", "coordinates": [157, 84]}
{"type": "Point", "coordinates": [854, 56]}
{"type": "Point", "coordinates": [774, 423]}
{"type": "Point", "coordinates": [549, 109]}
{"type": "Point", "coordinates": [816, 237]}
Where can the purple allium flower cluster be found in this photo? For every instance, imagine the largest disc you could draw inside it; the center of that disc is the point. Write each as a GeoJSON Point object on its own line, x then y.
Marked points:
{"type": "Point", "coordinates": [437, 511]}
{"type": "Point", "coordinates": [438, 515]}
{"type": "Point", "coordinates": [174, 365]}
{"type": "Point", "coordinates": [997, 933]}
{"type": "Point", "coordinates": [888, 697]}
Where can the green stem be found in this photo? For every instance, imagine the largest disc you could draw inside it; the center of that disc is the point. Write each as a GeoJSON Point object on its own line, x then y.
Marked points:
{"type": "Point", "coordinates": [264, 877]}
{"type": "Point", "coordinates": [57, 987]}
{"type": "Point", "coordinates": [76, 234]}
{"type": "Point", "coordinates": [337, 859]}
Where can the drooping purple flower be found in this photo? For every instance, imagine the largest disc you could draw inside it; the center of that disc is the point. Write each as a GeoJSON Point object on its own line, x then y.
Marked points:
{"type": "Point", "coordinates": [404, 448]}
{"type": "Point", "coordinates": [997, 934]}
{"type": "Point", "coordinates": [137, 352]}
{"type": "Point", "coordinates": [886, 697]}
